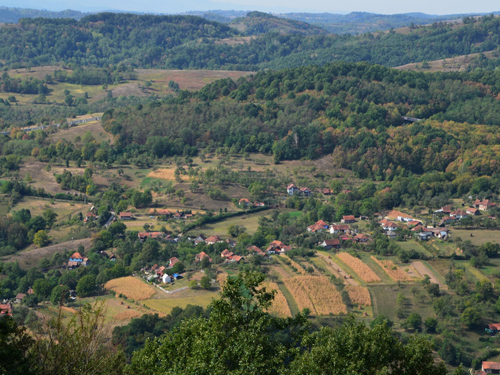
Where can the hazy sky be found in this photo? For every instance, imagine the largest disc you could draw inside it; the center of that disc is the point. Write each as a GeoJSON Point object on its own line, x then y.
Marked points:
{"type": "Point", "coordinates": [332, 6]}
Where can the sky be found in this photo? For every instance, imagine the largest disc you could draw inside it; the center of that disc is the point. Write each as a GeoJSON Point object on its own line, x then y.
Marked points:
{"type": "Point", "coordinates": [283, 6]}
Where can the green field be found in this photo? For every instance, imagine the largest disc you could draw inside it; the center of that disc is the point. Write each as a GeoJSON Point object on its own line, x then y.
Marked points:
{"type": "Point", "coordinates": [480, 236]}
{"type": "Point", "coordinates": [250, 222]}
{"type": "Point", "coordinates": [414, 245]}
{"type": "Point", "coordinates": [181, 299]}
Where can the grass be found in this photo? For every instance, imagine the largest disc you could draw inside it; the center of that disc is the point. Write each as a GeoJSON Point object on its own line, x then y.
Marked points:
{"type": "Point", "coordinates": [481, 236]}
{"type": "Point", "coordinates": [181, 299]}
{"type": "Point", "coordinates": [250, 222]}
{"type": "Point", "coordinates": [294, 308]}
{"type": "Point", "coordinates": [63, 209]}
{"type": "Point", "coordinates": [439, 267]}
{"type": "Point", "coordinates": [414, 245]}
{"type": "Point", "coordinates": [94, 128]}
{"type": "Point", "coordinates": [131, 287]}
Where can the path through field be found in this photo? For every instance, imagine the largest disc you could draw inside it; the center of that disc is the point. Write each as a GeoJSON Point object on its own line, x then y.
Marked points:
{"type": "Point", "coordinates": [423, 270]}
{"type": "Point", "coordinates": [337, 270]}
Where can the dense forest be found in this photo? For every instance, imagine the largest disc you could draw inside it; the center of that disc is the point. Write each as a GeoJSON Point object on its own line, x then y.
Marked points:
{"type": "Point", "coordinates": [351, 110]}
{"type": "Point", "coordinates": [182, 42]}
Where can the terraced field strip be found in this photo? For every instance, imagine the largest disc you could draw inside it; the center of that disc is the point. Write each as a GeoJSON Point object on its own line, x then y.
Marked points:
{"type": "Point", "coordinates": [424, 270]}
{"type": "Point", "coordinates": [294, 308]}
{"type": "Point", "coordinates": [477, 274]}
{"type": "Point", "coordinates": [359, 295]}
{"type": "Point", "coordinates": [323, 294]}
{"type": "Point", "coordinates": [299, 294]}
{"type": "Point", "coordinates": [394, 272]}
{"type": "Point", "coordinates": [361, 269]}
{"type": "Point", "coordinates": [297, 266]}
{"type": "Point", "coordinates": [285, 266]}
{"type": "Point", "coordinates": [337, 270]}
{"type": "Point", "coordinates": [280, 305]}
{"type": "Point", "coordinates": [377, 268]}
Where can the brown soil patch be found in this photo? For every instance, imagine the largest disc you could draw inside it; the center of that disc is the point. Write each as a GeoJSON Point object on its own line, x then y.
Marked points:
{"type": "Point", "coordinates": [423, 270]}
{"type": "Point", "coordinates": [69, 309]}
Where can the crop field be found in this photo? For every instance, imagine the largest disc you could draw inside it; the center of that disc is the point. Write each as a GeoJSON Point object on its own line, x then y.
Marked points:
{"type": "Point", "coordinates": [250, 222]}
{"type": "Point", "coordinates": [280, 305]}
{"type": "Point", "coordinates": [63, 209]}
{"type": "Point", "coordinates": [359, 295]}
{"type": "Point", "coordinates": [131, 287]}
{"type": "Point", "coordinates": [317, 294]}
{"type": "Point", "coordinates": [395, 273]}
{"type": "Point", "coordinates": [166, 174]}
{"type": "Point", "coordinates": [361, 269]}
{"type": "Point", "coordinates": [93, 128]}
{"type": "Point", "coordinates": [295, 265]}
{"type": "Point", "coordinates": [299, 294]}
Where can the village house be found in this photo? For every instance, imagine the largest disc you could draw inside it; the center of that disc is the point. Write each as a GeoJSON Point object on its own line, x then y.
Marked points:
{"type": "Point", "coordinates": [361, 238]}
{"type": "Point", "coordinates": [125, 215]}
{"type": "Point", "coordinates": [173, 261]}
{"type": "Point", "coordinates": [327, 191]}
{"type": "Point", "coordinates": [6, 309]}
{"type": "Point", "coordinates": [388, 225]}
{"type": "Point", "coordinates": [448, 220]}
{"type": "Point", "coordinates": [212, 240]}
{"type": "Point", "coordinates": [425, 236]}
{"type": "Point", "coordinates": [339, 228]}
{"type": "Point", "coordinates": [319, 227]}
{"type": "Point", "coordinates": [244, 202]}
{"type": "Point", "coordinates": [199, 257]}
{"type": "Point", "coordinates": [145, 235]}
{"type": "Point", "coordinates": [20, 297]}
{"type": "Point", "coordinates": [399, 216]}
{"type": "Point", "coordinates": [391, 234]}
{"type": "Point", "coordinates": [256, 250]}
{"type": "Point", "coordinates": [459, 214]}
{"type": "Point", "coordinates": [490, 368]}
{"type": "Point", "coordinates": [160, 212]}
{"type": "Point", "coordinates": [348, 219]}
{"type": "Point", "coordinates": [493, 328]}
{"type": "Point", "coordinates": [444, 210]}
{"type": "Point", "coordinates": [90, 216]}
{"type": "Point", "coordinates": [75, 260]}
{"type": "Point", "coordinates": [292, 189]}
{"type": "Point", "coordinates": [306, 192]}
{"type": "Point", "coordinates": [277, 247]}
{"type": "Point", "coordinates": [259, 204]}
{"type": "Point", "coordinates": [226, 254]}
{"type": "Point", "coordinates": [473, 211]}
{"type": "Point", "coordinates": [200, 239]}
{"type": "Point", "coordinates": [330, 244]}
{"type": "Point", "coordinates": [484, 205]}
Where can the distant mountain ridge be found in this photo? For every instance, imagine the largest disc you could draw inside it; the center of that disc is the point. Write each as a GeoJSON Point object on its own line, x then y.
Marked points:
{"type": "Point", "coordinates": [351, 23]}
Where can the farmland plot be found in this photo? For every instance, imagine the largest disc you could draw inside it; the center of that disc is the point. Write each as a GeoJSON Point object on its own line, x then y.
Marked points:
{"type": "Point", "coordinates": [299, 294]}
{"type": "Point", "coordinates": [394, 272]}
{"type": "Point", "coordinates": [361, 269]}
{"type": "Point", "coordinates": [280, 305]}
{"type": "Point", "coordinates": [359, 295]}
{"type": "Point", "coordinates": [131, 287]}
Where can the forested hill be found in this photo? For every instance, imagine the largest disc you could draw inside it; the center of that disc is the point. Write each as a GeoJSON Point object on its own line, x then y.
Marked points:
{"type": "Point", "coordinates": [351, 110]}
{"type": "Point", "coordinates": [12, 15]}
{"type": "Point", "coordinates": [105, 38]}
{"type": "Point", "coordinates": [182, 42]}
{"type": "Point", "coordinates": [257, 23]}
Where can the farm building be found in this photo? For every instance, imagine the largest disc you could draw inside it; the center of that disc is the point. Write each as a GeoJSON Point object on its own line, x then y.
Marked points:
{"type": "Point", "coordinates": [490, 367]}
{"type": "Point", "coordinates": [339, 228]}
{"type": "Point", "coordinates": [199, 257]}
{"type": "Point", "coordinates": [493, 328]}
{"type": "Point", "coordinates": [348, 219]}
{"type": "Point", "coordinates": [213, 240]}
{"type": "Point", "coordinates": [330, 244]}
{"type": "Point", "coordinates": [256, 250]}
{"type": "Point", "coordinates": [125, 215]}
{"type": "Point", "coordinates": [292, 189]}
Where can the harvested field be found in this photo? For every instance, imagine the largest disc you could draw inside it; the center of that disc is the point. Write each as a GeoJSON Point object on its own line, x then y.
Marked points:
{"type": "Point", "coordinates": [359, 295]}
{"type": "Point", "coordinates": [131, 287]}
{"type": "Point", "coordinates": [166, 174]}
{"type": "Point", "coordinates": [317, 294]}
{"type": "Point", "coordinates": [221, 278]}
{"type": "Point", "coordinates": [127, 315]}
{"type": "Point", "coordinates": [361, 269]}
{"type": "Point", "coordinates": [325, 297]}
{"type": "Point", "coordinates": [280, 305]}
{"type": "Point", "coordinates": [299, 294]}
{"type": "Point", "coordinates": [394, 272]}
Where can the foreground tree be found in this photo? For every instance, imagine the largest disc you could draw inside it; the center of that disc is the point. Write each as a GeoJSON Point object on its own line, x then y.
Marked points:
{"type": "Point", "coordinates": [239, 337]}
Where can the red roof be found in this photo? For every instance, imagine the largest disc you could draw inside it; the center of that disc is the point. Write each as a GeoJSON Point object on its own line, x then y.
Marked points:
{"type": "Point", "coordinates": [277, 243]}
{"type": "Point", "coordinates": [20, 296]}
{"type": "Point", "coordinates": [256, 249]}
{"type": "Point", "coordinates": [213, 239]}
{"type": "Point", "coordinates": [340, 227]}
{"type": "Point", "coordinates": [76, 255]}
{"type": "Point", "coordinates": [491, 365]}
{"type": "Point", "coordinates": [226, 254]}
{"type": "Point", "coordinates": [348, 217]}
{"type": "Point", "coordinates": [494, 326]}
{"type": "Point", "coordinates": [244, 200]}
{"type": "Point", "coordinates": [173, 261]}
{"type": "Point", "coordinates": [6, 309]}
{"type": "Point", "coordinates": [332, 242]}
{"type": "Point", "coordinates": [292, 186]}
{"type": "Point", "coordinates": [236, 258]}
{"type": "Point", "coordinates": [202, 255]}
{"type": "Point", "coordinates": [125, 214]}
{"type": "Point", "coordinates": [305, 189]}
